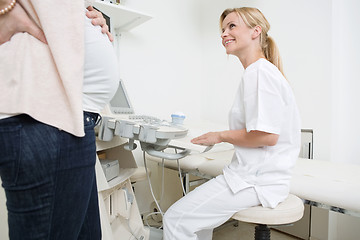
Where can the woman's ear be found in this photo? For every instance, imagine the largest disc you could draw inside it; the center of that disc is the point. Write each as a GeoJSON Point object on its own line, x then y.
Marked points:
{"type": "Point", "coordinates": [257, 31]}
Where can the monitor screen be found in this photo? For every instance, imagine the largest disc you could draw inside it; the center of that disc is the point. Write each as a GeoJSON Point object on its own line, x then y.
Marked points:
{"type": "Point", "coordinates": [120, 103]}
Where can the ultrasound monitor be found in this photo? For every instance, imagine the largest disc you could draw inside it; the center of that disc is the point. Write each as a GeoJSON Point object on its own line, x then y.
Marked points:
{"type": "Point", "coordinates": [120, 103]}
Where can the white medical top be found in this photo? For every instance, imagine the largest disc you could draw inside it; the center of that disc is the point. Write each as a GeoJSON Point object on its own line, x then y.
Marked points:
{"type": "Point", "coordinates": [265, 102]}
{"type": "Point", "coordinates": [101, 69]}
{"type": "Point", "coordinates": [101, 75]}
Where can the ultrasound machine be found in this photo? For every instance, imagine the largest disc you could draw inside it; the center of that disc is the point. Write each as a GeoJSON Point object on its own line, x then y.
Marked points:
{"type": "Point", "coordinates": [154, 135]}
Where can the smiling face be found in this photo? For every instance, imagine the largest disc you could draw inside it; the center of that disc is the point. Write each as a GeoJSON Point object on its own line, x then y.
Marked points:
{"type": "Point", "coordinates": [236, 36]}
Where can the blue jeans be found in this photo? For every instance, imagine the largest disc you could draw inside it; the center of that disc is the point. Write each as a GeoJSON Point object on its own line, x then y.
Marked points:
{"type": "Point", "coordinates": [49, 180]}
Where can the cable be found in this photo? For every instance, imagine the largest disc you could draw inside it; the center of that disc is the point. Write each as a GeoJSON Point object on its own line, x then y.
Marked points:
{"type": "Point", "coordinates": [162, 187]}
{"type": "Point", "coordinates": [162, 180]}
{"type": "Point", "coordinates": [180, 175]}
{"type": "Point", "coordinates": [147, 216]}
{"type": "Point", "coordinates": [151, 189]}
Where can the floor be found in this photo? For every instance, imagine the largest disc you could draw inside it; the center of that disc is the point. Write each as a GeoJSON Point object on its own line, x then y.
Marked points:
{"type": "Point", "coordinates": [245, 231]}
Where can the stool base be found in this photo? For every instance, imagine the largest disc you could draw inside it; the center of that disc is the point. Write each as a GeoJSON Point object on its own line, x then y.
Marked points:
{"type": "Point", "coordinates": [262, 232]}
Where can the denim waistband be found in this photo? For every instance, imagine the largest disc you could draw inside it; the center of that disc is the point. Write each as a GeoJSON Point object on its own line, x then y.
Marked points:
{"type": "Point", "coordinates": [95, 116]}
{"type": "Point", "coordinates": [17, 119]}
{"type": "Point", "coordinates": [26, 118]}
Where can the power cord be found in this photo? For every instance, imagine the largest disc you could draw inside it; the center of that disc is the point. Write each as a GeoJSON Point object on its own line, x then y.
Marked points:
{"type": "Point", "coordinates": [151, 188]}
{"type": "Point", "coordinates": [180, 175]}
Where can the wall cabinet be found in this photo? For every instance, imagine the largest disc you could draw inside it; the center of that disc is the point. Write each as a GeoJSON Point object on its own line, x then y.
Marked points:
{"type": "Point", "coordinates": [122, 18]}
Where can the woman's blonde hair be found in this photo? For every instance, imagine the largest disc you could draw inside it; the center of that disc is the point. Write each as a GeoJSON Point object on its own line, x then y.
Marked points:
{"type": "Point", "coordinates": [252, 18]}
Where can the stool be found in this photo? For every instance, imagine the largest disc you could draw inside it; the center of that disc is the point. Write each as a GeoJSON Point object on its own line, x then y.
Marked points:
{"type": "Point", "coordinates": [288, 211]}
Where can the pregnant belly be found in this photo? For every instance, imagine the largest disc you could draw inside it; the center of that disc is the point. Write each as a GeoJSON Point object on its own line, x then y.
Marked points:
{"type": "Point", "coordinates": [101, 75]}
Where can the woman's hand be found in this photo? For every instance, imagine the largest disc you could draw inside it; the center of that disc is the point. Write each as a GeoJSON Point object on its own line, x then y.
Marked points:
{"type": "Point", "coordinates": [208, 139]}
{"type": "Point", "coordinates": [99, 20]}
{"type": "Point", "coordinates": [17, 21]}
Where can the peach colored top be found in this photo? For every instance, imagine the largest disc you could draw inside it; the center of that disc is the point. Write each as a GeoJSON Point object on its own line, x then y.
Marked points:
{"type": "Point", "coordinates": [45, 81]}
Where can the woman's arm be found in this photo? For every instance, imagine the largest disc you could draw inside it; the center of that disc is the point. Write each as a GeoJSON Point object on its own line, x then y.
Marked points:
{"type": "Point", "coordinates": [17, 20]}
{"type": "Point", "coordinates": [238, 137]}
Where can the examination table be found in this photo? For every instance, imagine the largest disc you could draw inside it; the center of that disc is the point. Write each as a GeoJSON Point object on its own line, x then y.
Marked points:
{"type": "Point", "coordinates": [330, 185]}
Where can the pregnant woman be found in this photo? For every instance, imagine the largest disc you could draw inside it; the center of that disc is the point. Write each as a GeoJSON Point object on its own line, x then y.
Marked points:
{"type": "Point", "coordinates": [57, 72]}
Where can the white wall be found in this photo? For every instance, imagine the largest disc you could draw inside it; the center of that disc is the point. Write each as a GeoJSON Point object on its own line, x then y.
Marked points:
{"type": "Point", "coordinates": [346, 81]}
{"type": "Point", "coordinates": [160, 60]}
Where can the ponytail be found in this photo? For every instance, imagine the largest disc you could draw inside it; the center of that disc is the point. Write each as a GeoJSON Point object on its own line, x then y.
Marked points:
{"type": "Point", "coordinates": [272, 53]}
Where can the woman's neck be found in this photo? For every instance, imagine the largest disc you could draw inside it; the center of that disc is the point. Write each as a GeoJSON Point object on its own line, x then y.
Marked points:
{"type": "Point", "coordinates": [249, 59]}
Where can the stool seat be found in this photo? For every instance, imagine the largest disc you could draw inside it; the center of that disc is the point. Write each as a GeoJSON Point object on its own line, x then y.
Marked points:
{"type": "Point", "coordinates": [288, 211]}
{"type": "Point", "coordinates": [139, 175]}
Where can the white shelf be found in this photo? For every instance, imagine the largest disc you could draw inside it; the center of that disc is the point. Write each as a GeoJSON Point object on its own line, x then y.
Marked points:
{"type": "Point", "coordinates": [116, 141]}
{"type": "Point", "coordinates": [125, 173]}
{"type": "Point", "coordinates": [114, 150]}
{"type": "Point", "coordinates": [122, 18]}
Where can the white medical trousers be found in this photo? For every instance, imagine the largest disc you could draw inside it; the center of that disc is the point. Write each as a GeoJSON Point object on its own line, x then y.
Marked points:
{"type": "Point", "coordinates": [195, 216]}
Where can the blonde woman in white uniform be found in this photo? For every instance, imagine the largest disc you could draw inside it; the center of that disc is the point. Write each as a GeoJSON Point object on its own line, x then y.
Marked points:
{"type": "Point", "coordinates": [264, 129]}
